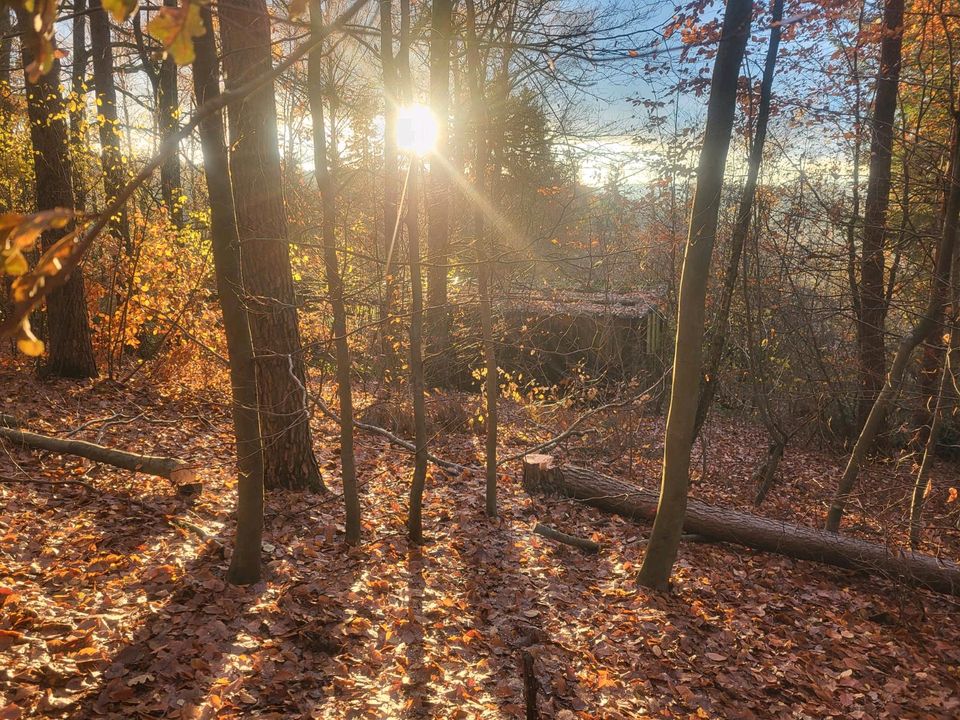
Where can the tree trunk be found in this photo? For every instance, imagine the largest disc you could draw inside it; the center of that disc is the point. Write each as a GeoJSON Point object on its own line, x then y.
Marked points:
{"type": "Point", "coordinates": [228, 267]}
{"type": "Point", "coordinates": [175, 470]}
{"type": "Point", "coordinates": [168, 106]}
{"type": "Point", "coordinates": [926, 464]}
{"type": "Point", "coordinates": [765, 474]}
{"type": "Point", "coordinates": [870, 329]}
{"type": "Point", "coordinates": [662, 550]}
{"type": "Point", "coordinates": [78, 110]}
{"type": "Point", "coordinates": [289, 461]}
{"type": "Point", "coordinates": [717, 334]}
{"type": "Point", "coordinates": [68, 328]}
{"type": "Point", "coordinates": [927, 325]}
{"type": "Point", "coordinates": [752, 531]}
{"type": "Point", "coordinates": [6, 51]}
{"type": "Point", "coordinates": [412, 222]}
{"type": "Point", "coordinates": [388, 307]}
{"type": "Point", "coordinates": [327, 185]}
{"type": "Point", "coordinates": [484, 257]}
{"type": "Point", "coordinates": [111, 156]}
{"type": "Point", "coordinates": [438, 196]}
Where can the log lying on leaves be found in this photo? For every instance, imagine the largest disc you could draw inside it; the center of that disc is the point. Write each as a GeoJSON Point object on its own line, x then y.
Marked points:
{"type": "Point", "coordinates": [177, 471]}
{"type": "Point", "coordinates": [541, 475]}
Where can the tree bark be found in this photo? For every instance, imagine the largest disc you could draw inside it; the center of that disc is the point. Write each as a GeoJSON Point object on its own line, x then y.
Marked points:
{"type": "Point", "coordinates": [111, 156]}
{"type": "Point", "coordinates": [78, 89]}
{"type": "Point", "coordinates": [228, 267]}
{"type": "Point", "coordinates": [68, 328]}
{"type": "Point", "coordinates": [391, 87]}
{"type": "Point", "coordinates": [438, 195]}
{"type": "Point", "coordinates": [412, 223]}
{"type": "Point", "coordinates": [531, 686]}
{"type": "Point", "coordinates": [483, 255]}
{"type": "Point", "coordinates": [327, 185]}
{"type": "Point", "coordinates": [540, 475]}
{"type": "Point", "coordinates": [872, 350]}
{"type": "Point", "coordinates": [717, 334]}
{"type": "Point", "coordinates": [289, 460]}
{"type": "Point", "coordinates": [925, 327]}
{"type": "Point", "coordinates": [6, 50]}
{"type": "Point", "coordinates": [175, 470]}
{"type": "Point", "coordinates": [168, 107]}
{"type": "Point", "coordinates": [929, 451]}
{"type": "Point", "coordinates": [662, 550]}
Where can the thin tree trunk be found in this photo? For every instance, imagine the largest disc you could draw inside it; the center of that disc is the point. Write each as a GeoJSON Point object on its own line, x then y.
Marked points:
{"type": "Point", "coordinates": [78, 110]}
{"type": "Point", "coordinates": [388, 329]}
{"type": "Point", "coordinates": [873, 304]}
{"type": "Point", "coordinates": [111, 156]}
{"type": "Point", "coordinates": [168, 106]}
{"type": "Point", "coordinates": [326, 183]}
{"type": "Point", "coordinates": [482, 250]}
{"type": "Point", "coordinates": [228, 267]}
{"type": "Point", "coordinates": [68, 328]}
{"type": "Point", "coordinates": [289, 461]}
{"type": "Point", "coordinates": [412, 222]}
{"type": "Point", "coordinates": [717, 334]}
{"type": "Point", "coordinates": [438, 195]}
{"type": "Point", "coordinates": [929, 451]}
{"type": "Point", "coordinates": [6, 50]}
{"type": "Point", "coordinates": [924, 329]}
{"type": "Point", "coordinates": [668, 526]}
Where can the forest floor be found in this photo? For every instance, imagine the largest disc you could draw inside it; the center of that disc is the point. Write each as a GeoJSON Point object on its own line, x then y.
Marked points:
{"type": "Point", "coordinates": [114, 605]}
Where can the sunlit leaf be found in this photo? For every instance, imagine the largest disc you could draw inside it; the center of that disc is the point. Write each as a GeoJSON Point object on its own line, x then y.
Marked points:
{"type": "Point", "coordinates": [27, 342]}
{"type": "Point", "coordinates": [120, 10]}
{"type": "Point", "coordinates": [176, 28]}
{"type": "Point", "coordinates": [14, 263]}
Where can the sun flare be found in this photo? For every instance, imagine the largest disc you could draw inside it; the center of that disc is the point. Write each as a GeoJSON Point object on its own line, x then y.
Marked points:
{"type": "Point", "coordinates": [416, 129]}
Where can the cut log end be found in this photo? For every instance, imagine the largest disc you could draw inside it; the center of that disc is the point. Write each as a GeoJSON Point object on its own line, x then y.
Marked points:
{"type": "Point", "coordinates": [184, 475]}
{"type": "Point", "coordinates": [538, 473]}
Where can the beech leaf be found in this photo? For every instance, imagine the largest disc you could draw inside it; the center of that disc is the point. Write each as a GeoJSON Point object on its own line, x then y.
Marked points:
{"type": "Point", "coordinates": [176, 28]}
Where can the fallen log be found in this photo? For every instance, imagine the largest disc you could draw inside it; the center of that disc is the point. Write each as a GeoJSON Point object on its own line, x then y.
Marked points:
{"type": "Point", "coordinates": [542, 475]}
{"type": "Point", "coordinates": [177, 471]}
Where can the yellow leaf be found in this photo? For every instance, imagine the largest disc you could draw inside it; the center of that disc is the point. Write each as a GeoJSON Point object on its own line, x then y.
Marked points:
{"type": "Point", "coordinates": [14, 263]}
{"type": "Point", "coordinates": [176, 28]}
{"type": "Point", "coordinates": [120, 9]}
{"type": "Point", "coordinates": [27, 342]}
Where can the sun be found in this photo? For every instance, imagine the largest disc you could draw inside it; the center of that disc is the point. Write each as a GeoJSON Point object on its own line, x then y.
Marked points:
{"type": "Point", "coordinates": [416, 129]}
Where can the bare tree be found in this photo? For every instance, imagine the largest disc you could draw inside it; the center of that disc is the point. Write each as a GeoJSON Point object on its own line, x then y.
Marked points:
{"type": "Point", "coordinates": [665, 538]}
{"type": "Point", "coordinates": [228, 267]}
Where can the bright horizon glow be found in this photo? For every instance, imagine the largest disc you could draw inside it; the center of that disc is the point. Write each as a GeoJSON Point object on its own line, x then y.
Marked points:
{"type": "Point", "coordinates": [416, 130]}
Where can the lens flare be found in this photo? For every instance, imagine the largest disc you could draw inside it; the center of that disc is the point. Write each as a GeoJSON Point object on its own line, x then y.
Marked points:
{"type": "Point", "coordinates": [416, 129]}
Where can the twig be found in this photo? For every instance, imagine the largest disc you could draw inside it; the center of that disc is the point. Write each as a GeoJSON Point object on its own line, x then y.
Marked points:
{"type": "Point", "coordinates": [548, 532]}
{"type": "Point", "coordinates": [580, 420]}
{"type": "Point", "coordinates": [9, 421]}
{"type": "Point", "coordinates": [383, 432]}
{"type": "Point", "coordinates": [95, 421]}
